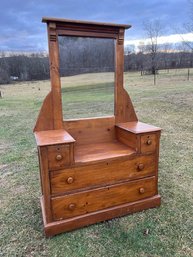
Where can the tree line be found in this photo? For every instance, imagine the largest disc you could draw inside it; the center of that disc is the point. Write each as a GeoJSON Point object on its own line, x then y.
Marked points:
{"type": "Point", "coordinates": [23, 67]}
{"type": "Point", "coordinates": [84, 55]}
{"type": "Point", "coordinates": [164, 60]}
{"type": "Point", "coordinates": [77, 57]}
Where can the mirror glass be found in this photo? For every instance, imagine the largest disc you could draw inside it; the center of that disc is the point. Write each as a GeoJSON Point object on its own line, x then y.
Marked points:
{"type": "Point", "coordinates": [87, 76]}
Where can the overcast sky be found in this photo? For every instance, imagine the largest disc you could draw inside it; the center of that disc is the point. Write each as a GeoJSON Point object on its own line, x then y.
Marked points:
{"type": "Point", "coordinates": [21, 28]}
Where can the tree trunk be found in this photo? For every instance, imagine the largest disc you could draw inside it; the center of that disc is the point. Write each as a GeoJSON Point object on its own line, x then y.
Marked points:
{"type": "Point", "coordinates": [154, 80]}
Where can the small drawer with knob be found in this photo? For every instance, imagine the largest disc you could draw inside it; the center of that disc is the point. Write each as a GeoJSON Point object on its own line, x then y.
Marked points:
{"type": "Point", "coordinates": [59, 156]}
{"type": "Point", "coordinates": [148, 143]}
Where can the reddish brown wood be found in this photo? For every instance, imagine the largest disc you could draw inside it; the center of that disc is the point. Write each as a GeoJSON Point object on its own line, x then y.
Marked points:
{"type": "Point", "coordinates": [101, 151]}
{"type": "Point", "coordinates": [148, 143]}
{"type": "Point", "coordinates": [63, 32]}
{"type": "Point", "coordinates": [53, 137]}
{"type": "Point", "coordinates": [100, 174]}
{"type": "Point", "coordinates": [45, 182]}
{"type": "Point", "coordinates": [45, 117]}
{"type": "Point", "coordinates": [137, 127]}
{"type": "Point", "coordinates": [124, 110]}
{"type": "Point", "coordinates": [98, 168]}
{"type": "Point", "coordinates": [55, 75]}
{"type": "Point", "coordinates": [57, 227]}
{"type": "Point", "coordinates": [60, 156]}
{"type": "Point", "coordinates": [102, 198]}
{"type": "Point", "coordinates": [128, 138]}
{"type": "Point", "coordinates": [82, 24]}
{"type": "Point", "coordinates": [92, 130]}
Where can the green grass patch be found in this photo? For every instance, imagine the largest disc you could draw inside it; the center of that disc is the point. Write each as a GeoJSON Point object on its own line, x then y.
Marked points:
{"type": "Point", "coordinates": [166, 231]}
{"type": "Point", "coordinates": [97, 99]}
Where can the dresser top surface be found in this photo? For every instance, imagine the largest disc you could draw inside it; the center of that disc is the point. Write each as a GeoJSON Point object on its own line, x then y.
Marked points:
{"type": "Point", "coordinates": [138, 127]}
{"type": "Point", "coordinates": [53, 137]}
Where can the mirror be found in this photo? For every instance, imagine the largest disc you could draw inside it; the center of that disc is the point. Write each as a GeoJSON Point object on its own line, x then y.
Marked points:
{"type": "Point", "coordinates": [87, 76]}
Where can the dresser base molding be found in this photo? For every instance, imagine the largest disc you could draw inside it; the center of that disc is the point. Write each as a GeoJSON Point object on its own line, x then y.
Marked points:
{"type": "Point", "coordinates": [58, 227]}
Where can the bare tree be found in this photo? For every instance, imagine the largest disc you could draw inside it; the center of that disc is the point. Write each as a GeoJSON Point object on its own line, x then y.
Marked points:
{"type": "Point", "coordinates": [140, 54]}
{"type": "Point", "coordinates": [188, 27]}
{"type": "Point", "coordinates": [153, 30]}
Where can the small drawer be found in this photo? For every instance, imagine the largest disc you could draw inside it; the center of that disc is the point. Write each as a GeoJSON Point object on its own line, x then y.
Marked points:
{"type": "Point", "coordinates": [101, 198]}
{"type": "Point", "coordinates": [60, 156]}
{"type": "Point", "coordinates": [148, 143]}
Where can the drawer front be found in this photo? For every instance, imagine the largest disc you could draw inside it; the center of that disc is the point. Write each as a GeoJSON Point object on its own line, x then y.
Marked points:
{"type": "Point", "coordinates": [148, 143]}
{"type": "Point", "coordinates": [101, 174]}
{"type": "Point", "coordinates": [102, 198]}
{"type": "Point", "coordinates": [59, 156]}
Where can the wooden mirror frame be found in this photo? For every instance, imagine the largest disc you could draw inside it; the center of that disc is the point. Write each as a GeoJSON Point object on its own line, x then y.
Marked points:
{"type": "Point", "coordinates": [51, 117]}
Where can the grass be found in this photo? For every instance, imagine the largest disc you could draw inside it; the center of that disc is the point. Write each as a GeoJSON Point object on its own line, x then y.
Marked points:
{"type": "Point", "coordinates": [169, 105]}
{"type": "Point", "coordinates": [96, 99]}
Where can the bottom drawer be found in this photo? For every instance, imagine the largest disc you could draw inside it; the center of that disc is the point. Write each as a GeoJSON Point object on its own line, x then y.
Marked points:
{"type": "Point", "coordinates": [92, 200]}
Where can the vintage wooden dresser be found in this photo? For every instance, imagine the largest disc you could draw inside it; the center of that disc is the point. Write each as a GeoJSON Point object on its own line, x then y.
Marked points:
{"type": "Point", "coordinates": [93, 169]}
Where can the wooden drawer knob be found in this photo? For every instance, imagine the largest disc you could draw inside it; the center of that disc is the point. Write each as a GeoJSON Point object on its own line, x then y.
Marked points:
{"type": "Point", "coordinates": [71, 206]}
{"type": "Point", "coordinates": [149, 142]}
{"type": "Point", "coordinates": [140, 166]}
{"type": "Point", "coordinates": [70, 180]}
{"type": "Point", "coordinates": [141, 190]}
{"type": "Point", "coordinates": [59, 157]}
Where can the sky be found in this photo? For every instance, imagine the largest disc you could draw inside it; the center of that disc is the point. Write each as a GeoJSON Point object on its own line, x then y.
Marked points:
{"type": "Point", "coordinates": [21, 28]}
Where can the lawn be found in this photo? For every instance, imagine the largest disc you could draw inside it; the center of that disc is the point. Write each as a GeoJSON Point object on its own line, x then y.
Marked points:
{"type": "Point", "coordinates": [165, 231]}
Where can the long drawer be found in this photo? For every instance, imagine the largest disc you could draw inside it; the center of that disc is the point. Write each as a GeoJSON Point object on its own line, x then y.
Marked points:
{"type": "Point", "coordinates": [92, 200]}
{"type": "Point", "coordinates": [101, 174]}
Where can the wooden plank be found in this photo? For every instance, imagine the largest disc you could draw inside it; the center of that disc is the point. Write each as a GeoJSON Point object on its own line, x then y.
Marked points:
{"type": "Point", "coordinates": [55, 76]}
{"type": "Point", "coordinates": [158, 134]}
{"type": "Point", "coordinates": [101, 198]}
{"type": "Point", "coordinates": [45, 182]}
{"type": "Point", "coordinates": [101, 151]}
{"type": "Point", "coordinates": [53, 137]}
{"type": "Point", "coordinates": [101, 174]}
{"type": "Point", "coordinates": [92, 130]}
{"type": "Point", "coordinates": [124, 110]}
{"type": "Point", "coordinates": [137, 127]}
{"type": "Point", "coordinates": [78, 33]}
{"type": "Point", "coordinates": [127, 138]}
{"type": "Point", "coordinates": [82, 23]}
{"type": "Point", "coordinates": [57, 227]}
{"type": "Point", "coordinates": [45, 117]}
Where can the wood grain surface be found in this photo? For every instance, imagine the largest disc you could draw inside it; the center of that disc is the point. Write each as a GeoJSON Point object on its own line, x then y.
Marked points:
{"type": "Point", "coordinates": [105, 173]}
{"type": "Point", "coordinates": [102, 198]}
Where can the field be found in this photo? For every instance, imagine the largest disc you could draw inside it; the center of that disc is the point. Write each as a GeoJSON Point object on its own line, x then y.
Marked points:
{"type": "Point", "coordinates": [165, 231]}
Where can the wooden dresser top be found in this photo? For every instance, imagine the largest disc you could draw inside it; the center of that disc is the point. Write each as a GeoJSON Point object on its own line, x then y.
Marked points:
{"type": "Point", "coordinates": [138, 127]}
{"type": "Point", "coordinates": [53, 137]}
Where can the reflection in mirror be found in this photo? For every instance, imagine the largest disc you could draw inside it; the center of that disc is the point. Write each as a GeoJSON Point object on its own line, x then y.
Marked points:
{"type": "Point", "coordinates": [87, 76]}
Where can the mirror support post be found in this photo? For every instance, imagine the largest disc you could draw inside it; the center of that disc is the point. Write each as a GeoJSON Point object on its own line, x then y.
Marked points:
{"type": "Point", "coordinates": [55, 76]}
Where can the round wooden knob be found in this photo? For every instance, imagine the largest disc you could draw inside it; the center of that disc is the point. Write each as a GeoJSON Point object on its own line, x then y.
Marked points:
{"type": "Point", "coordinates": [59, 157]}
{"type": "Point", "coordinates": [71, 206]}
{"type": "Point", "coordinates": [70, 180]}
{"type": "Point", "coordinates": [141, 190]}
{"type": "Point", "coordinates": [140, 166]}
{"type": "Point", "coordinates": [149, 142]}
